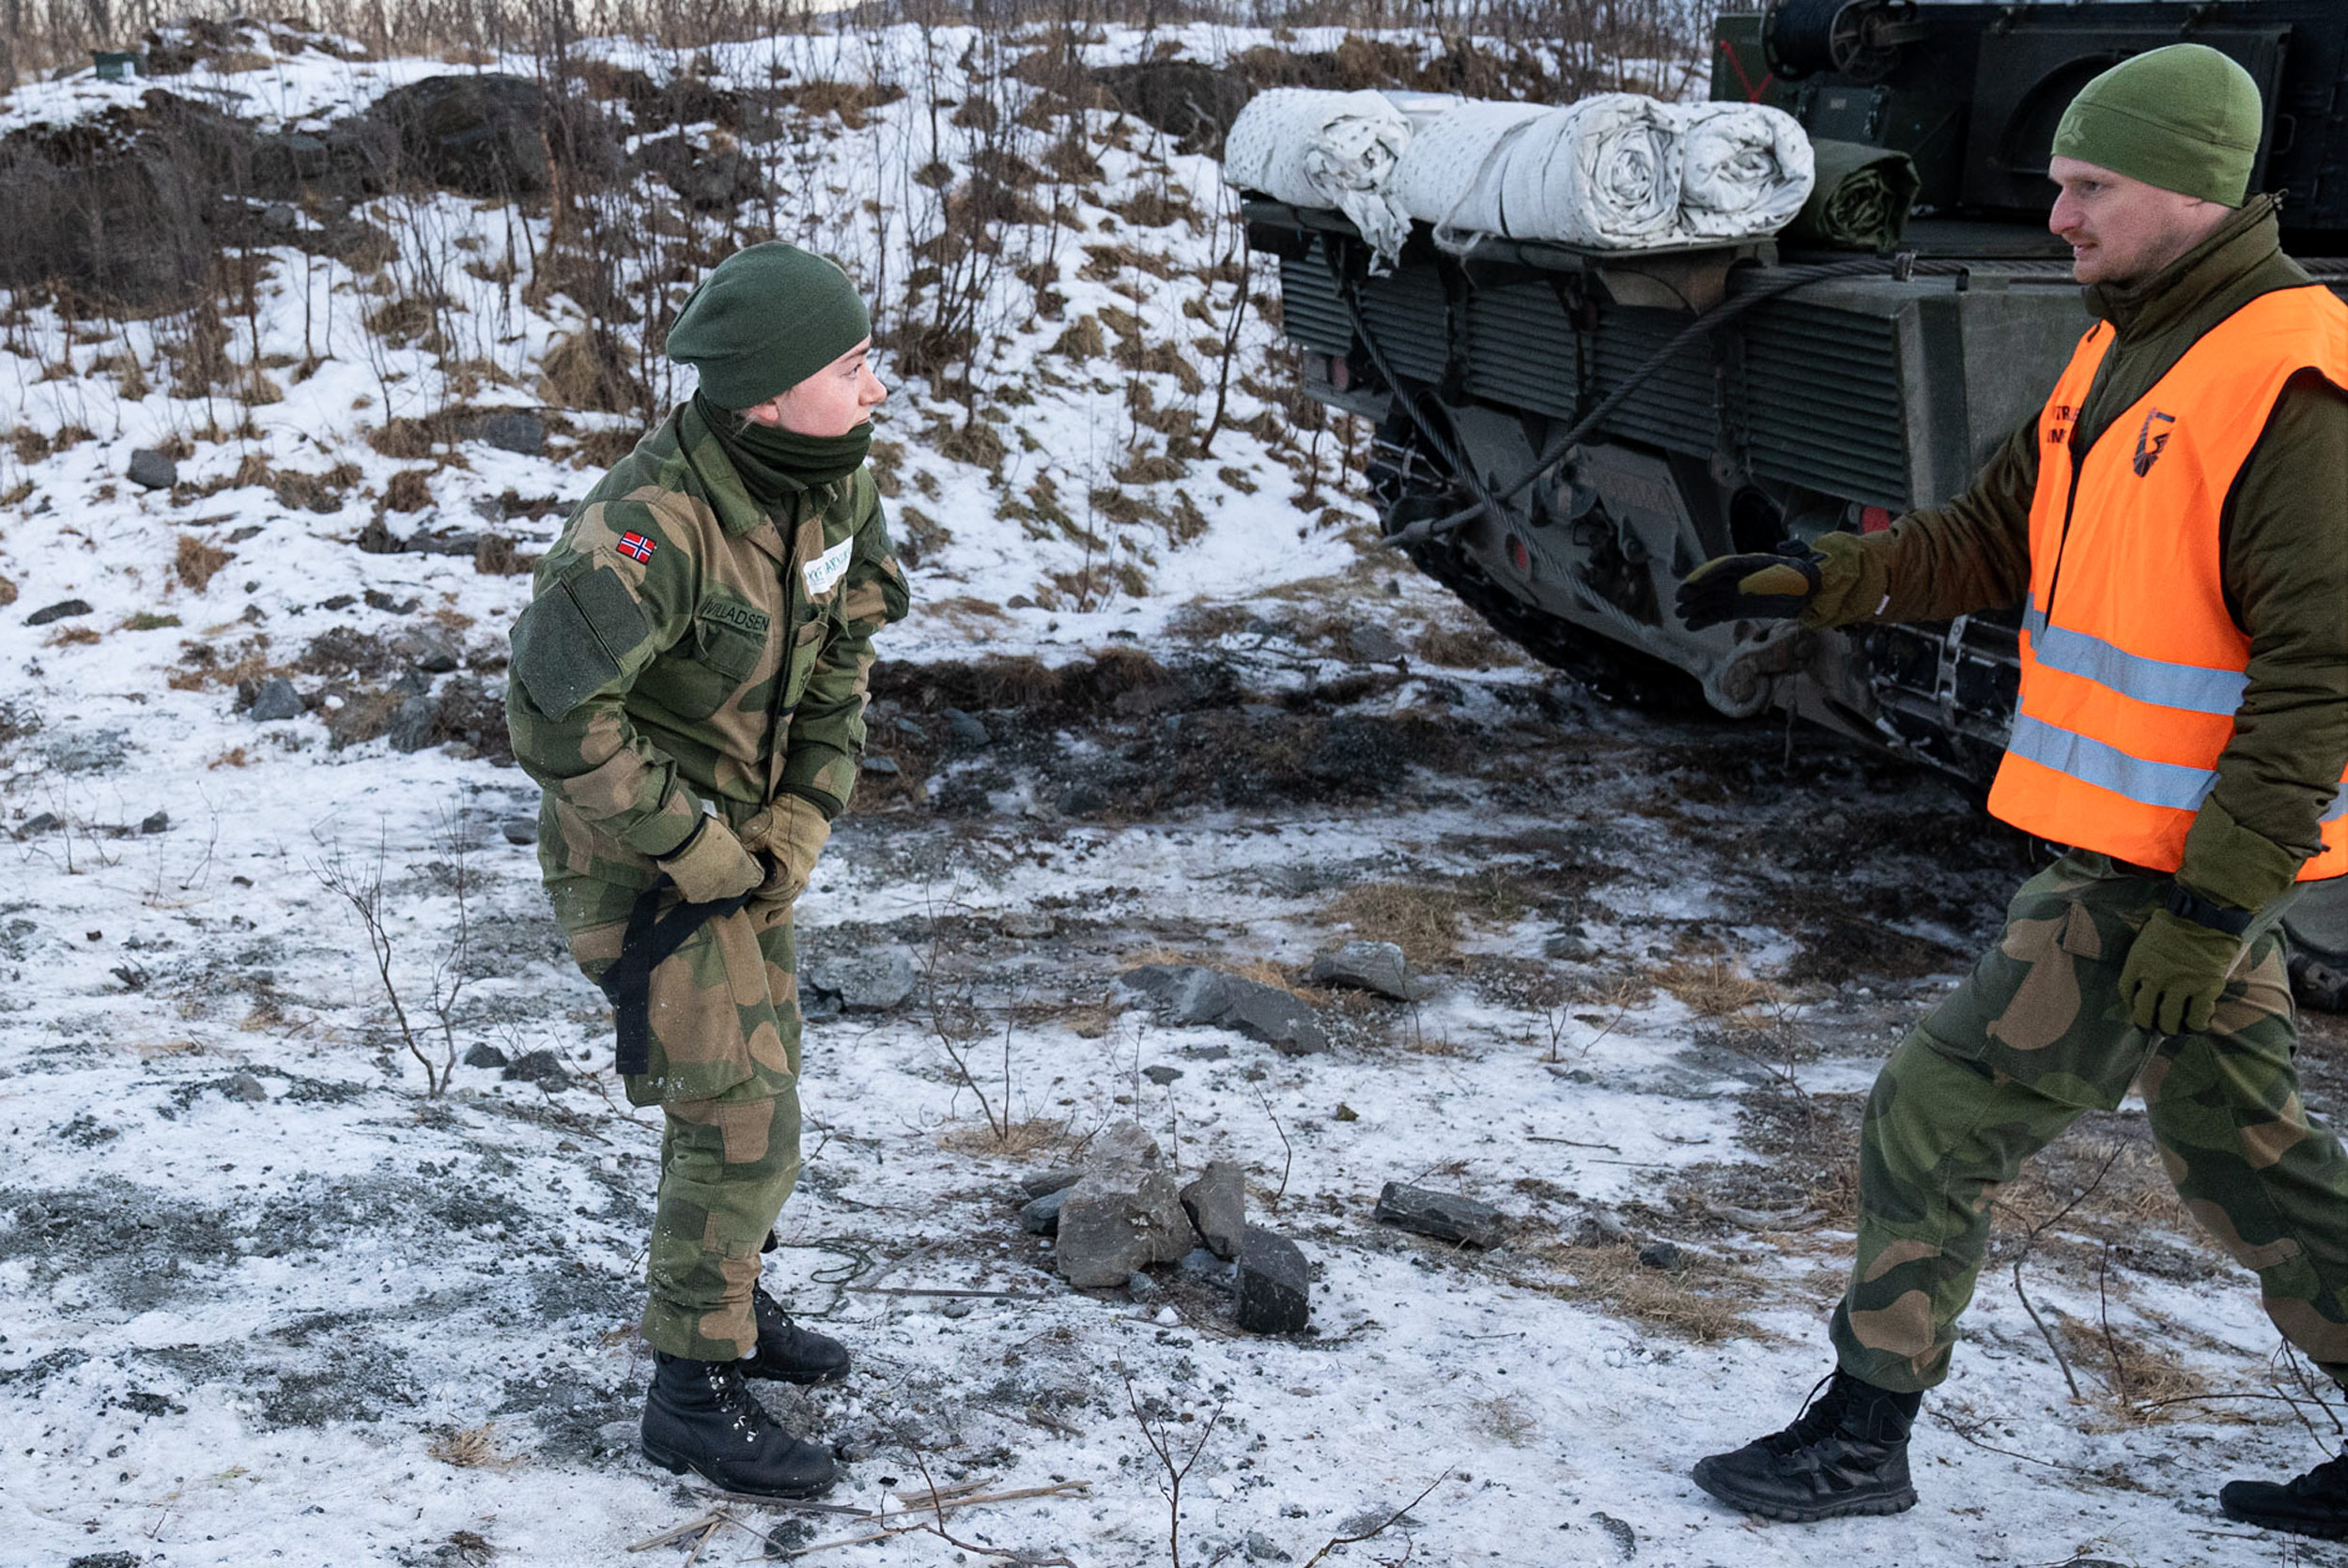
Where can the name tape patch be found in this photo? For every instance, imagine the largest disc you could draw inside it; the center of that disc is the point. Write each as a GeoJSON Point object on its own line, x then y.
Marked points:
{"type": "Point", "coordinates": [829, 567]}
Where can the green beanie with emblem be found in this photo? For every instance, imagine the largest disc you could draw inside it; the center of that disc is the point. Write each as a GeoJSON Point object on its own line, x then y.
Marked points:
{"type": "Point", "coordinates": [2185, 118]}
{"type": "Point", "coordinates": [767, 318]}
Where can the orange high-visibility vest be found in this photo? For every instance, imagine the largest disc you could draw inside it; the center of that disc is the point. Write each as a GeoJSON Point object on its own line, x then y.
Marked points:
{"type": "Point", "coordinates": [2132, 666]}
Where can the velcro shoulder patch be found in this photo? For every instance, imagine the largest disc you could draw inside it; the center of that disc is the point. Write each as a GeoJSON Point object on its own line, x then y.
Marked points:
{"type": "Point", "coordinates": [569, 643]}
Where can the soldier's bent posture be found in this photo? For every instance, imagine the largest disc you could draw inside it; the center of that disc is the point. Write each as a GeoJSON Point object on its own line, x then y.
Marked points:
{"type": "Point", "coordinates": [688, 685]}
{"type": "Point", "coordinates": [2174, 525]}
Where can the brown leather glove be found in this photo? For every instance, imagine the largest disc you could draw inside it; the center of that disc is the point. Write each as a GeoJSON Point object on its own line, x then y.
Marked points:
{"type": "Point", "coordinates": [791, 833]}
{"type": "Point", "coordinates": [712, 865]}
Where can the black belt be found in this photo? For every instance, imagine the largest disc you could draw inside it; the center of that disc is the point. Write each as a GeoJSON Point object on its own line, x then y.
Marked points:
{"type": "Point", "coordinates": [649, 943]}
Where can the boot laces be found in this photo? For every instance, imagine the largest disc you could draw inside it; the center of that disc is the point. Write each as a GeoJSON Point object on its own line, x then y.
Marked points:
{"type": "Point", "coordinates": [1821, 1415]}
{"type": "Point", "coordinates": [733, 1399]}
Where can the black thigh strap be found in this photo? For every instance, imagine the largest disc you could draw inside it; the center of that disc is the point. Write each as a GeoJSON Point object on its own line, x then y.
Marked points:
{"type": "Point", "coordinates": [649, 943]}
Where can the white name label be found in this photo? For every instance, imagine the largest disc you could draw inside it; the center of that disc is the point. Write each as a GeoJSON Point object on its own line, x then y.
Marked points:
{"type": "Point", "coordinates": [829, 567]}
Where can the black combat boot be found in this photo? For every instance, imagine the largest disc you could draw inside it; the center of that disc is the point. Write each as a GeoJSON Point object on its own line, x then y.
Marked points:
{"type": "Point", "coordinates": [788, 1352]}
{"type": "Point", "coordinates": [1845, 1453]}
{"type": "Point", "coordinates": [700, 1417]}
{"type": "Point", "coordinates": [2315, 1503]}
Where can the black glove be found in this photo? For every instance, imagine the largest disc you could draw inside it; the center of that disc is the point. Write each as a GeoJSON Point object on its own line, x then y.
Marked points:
{"type": "Point", "coordinates": [1751, 587]}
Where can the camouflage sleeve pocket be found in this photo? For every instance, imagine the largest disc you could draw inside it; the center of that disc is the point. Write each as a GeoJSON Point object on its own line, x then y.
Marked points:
{"type": "Point", "coordinates": [568, 643]}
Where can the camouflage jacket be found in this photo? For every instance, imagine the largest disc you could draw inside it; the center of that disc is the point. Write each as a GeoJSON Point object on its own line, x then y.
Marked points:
{"type": "Point", "coordinates": [682, 645]}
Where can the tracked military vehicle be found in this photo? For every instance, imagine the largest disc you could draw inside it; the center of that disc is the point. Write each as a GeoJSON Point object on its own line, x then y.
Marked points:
{"type": "Point", "coordinates": [1561, 435]}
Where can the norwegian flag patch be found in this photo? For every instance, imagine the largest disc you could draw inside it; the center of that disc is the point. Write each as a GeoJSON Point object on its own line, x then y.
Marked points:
{"type": "Point", "coordinates": [634, 547]}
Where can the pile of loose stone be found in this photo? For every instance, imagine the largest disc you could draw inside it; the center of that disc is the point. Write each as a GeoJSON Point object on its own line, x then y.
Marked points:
{"type": "Point", "coordinates": [1122, 1211]}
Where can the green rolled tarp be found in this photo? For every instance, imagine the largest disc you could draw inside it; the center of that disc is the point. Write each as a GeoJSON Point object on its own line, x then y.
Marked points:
{"type": "Point", "coordinates": [1861, 201]}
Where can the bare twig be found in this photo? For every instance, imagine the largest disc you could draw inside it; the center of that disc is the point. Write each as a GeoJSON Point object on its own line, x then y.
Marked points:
{"type": "Point", "coordinates": [2029, 1242]}
{"type": "Point", "coordinates": [1402, 1513]}
{"type": "Point", "coordinates": [1288, 1152]}
{"type": "Point", "coordinates": [1177, 1471]}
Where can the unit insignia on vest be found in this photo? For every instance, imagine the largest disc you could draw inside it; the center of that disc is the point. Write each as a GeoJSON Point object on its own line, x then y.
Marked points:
{"type": "Point", "coordinates": [2149, 441]}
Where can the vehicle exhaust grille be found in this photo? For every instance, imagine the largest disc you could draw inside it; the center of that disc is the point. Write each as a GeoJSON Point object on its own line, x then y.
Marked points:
{"type": "Point", "coordinates": [1523, 350]}
{"type": "Point", "coordinates": [1822, 402]}
{"type": "Point", "coordinates": [1411, 321]}
{"type": "Point", "coordinates": [1311, 311]}
{"type": "Point", "coordinates": [1677, 408]}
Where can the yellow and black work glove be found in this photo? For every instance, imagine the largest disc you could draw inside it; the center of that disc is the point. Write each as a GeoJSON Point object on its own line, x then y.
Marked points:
{"type": "Point", "coordinates": [2178, 964]}
{"type": "Point", "coordinates": [712, 865]}
{"type": "Point", "coordinates": [792, 833]}
{"type": "Point", "coordinates": [1751, 587]}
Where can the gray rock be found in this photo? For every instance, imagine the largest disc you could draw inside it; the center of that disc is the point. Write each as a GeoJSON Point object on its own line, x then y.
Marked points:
{"type": "Point", "coordinates": [151, 469]}
{"type": "Point", "coordinates": [484, 1055]}
{"type": "Point", "coordinates": [1444, 1216]}
{"type": "Point", "coordinates": [246, 1087]}
{"type": "Point", "coordinates": [1374, 966]}
{"type": "Point", "coordinates": [966, 731]}
{"type": "Point", "coordinates": [1140, 1286]}
{"type": "Point", "coordinates": [1275, 1285]}
{"type": "Point", "coordinates": [1036, 1184]}
{"type": "Point", "coordinates": [519, 830]}
{"type": "Point", "coordinates": [511, 430]}
{"type": "Point", "coordinates": [275, 700]}
{"type": "Point", "coordinates": [1372, 644]}
{"type": "Point", "coordinates": [428, 649]}
{"type": "Point", "coordinates": [1192, 994]}
{"type": "Point", "coordinates": [1161, 1074]}
{"type": "Point", "coordinates": [1040, 1216]}
{"type": "Point", "coordinates": [1217, 1206]}
{"type": "Point", "coordinates": [1109, 1227]}
{"type": "Point", "coordinates": [1122, 1144]}
{"type": "Point", "coordinates": [1660, 1254]}
{"type": "Point", "coordinates": [1626, 1539]}
{"type": "Point", "coordinates": [1262, 1548]}
{"type": "Point", "coordinates": [159, 822]}
{"type": "Point", "coordinates": [1082, 800]}
{"type": "Point", "coordinates": [866, 982]}
{"type": "Point", "coordinates": [62, 610]}
{"type": "Point", "coordinates": [881, 767]}
{"type": "Point", "coordinates": [43, 822]}
{"type": "Point", "coordinates": [1125, 1215]}
{"type": "Point", "coordinates": [282, 216]}
{"type": "Point", "coordinates": [1027, 923]}
{"type": "Point", "coordinates": [542, 1067]}
{"type": "Point", "coordinates": [415, 725]}
{"type": "Point", "coordinates": [1200, 1263]}
{"type": "Point", "coordinates": [1566, 945]}
{"type": "Point", "coordinates": [89, 751]}
{"type": "Point", "coordinates": [959, 1307]}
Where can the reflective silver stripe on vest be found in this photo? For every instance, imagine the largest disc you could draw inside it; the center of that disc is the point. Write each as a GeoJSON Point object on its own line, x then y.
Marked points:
{"type": "Point", "coordinates": [2196, 688]}
{"type": "Point", "coordinates": [2339, 807]}
{"type": "Point", "coordinates": [2107, 767]}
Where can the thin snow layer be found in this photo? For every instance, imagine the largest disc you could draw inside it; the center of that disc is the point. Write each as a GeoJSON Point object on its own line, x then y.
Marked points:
{"type": "Point", "coordinates": [265, 1299]}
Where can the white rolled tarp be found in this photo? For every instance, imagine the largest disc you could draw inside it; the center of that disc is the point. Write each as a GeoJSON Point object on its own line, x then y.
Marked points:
{"type": "Point", "coordinates": [1325, 149]}
{"type": "Point", "coordinates": [1444, 178]}
{"type": "Point", "coordinates": [1603, 172]}
{"type": "Point", "coordinates": [1745, 169]}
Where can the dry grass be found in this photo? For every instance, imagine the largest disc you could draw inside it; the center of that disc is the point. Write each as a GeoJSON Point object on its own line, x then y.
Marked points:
{"type": "Point", "coordinates": [1715, 986]}
{"type": "Point", "coordinates": [1020, 1140]}
{"type": "Point", "coordinates": [70, 637]}
{"type": "Point", "coordinates": [472, 1448]}
{"type": "Point", "coordinates": [196, 560]}
{"type": "Point", "coordinates": [1700, 1301]}
{"type": "Point", "coordinates": [233, 758]}
{"type": "Point", "coordinates": [1424, 921]}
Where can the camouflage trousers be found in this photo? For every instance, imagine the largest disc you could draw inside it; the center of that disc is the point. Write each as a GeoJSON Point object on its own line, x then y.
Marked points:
{"type": "Point", "coordinates": [724, 1069]}
{"type": "Point", "coordinates": [2037, 1035]}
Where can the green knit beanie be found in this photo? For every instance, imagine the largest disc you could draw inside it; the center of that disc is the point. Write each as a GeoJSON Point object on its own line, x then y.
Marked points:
{"type": "Point", "coordinates": [767, 318]}
{"type": "Point", "coordinates": [2185, 118]}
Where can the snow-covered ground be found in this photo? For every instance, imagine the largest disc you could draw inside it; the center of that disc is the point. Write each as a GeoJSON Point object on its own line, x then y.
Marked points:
{"type": "Point", "coordinates": [266, 1298]}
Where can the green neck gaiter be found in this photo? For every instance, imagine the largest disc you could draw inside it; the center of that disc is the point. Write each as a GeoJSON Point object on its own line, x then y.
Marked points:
{"type": "Point", "coordinates": [774, 462]}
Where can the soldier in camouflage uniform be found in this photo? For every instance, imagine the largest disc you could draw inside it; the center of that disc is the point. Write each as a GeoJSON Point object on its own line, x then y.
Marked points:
{"type": "Point", "coordinates": [688, 685]}
{"type": "Point", "coordinates": [2112, 972]}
